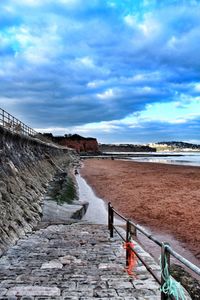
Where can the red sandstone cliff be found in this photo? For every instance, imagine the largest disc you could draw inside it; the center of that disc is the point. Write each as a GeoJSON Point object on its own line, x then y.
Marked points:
{"type": "Point", "coordinates": [77, 142]}
{"type": "Point", "coordinates": [81, 145]}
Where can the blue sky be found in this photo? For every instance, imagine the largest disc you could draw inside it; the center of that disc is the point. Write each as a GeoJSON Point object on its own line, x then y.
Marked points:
{"type": "Point", "coordinates": [124, 71]}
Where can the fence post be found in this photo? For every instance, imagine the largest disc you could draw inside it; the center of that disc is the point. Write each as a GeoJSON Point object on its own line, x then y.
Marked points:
{"type": "Point", "coordinates": [111, 222]}
{"type": "Point", "coordinates": [128, 237]}
{"type": "Point", "coordinates": [109, 215]}
{"type": "Point", "coordinates": [110, 219]}
{"type": "Point", "coordinates": [3, 117]}
{"type": "Point", "coordinates": [13, 123]}
{"type": "Point", "coordinates": [165, 268]}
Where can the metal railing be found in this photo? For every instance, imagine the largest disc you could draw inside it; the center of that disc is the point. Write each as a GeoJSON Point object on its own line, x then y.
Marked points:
{"type": "Point", "coordinates": [14, 125]}
{"type": "Point", "coordinates": [166, 249]}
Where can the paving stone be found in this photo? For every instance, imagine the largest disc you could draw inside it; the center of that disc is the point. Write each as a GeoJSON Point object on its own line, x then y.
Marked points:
{"type": "Point", "coordinates": [148, 298]}
{"type": "Point", "coordinates": [100, 293]}
{"type": "Point", "coordinates": [73, 262]}
{"type": "Point", "coordinates": [86, 293]}
{"type": "Point", "coordinates": [107, 266]}
{"type": "Point", "coordinates": [9, 298]}
{"type": "Point", "coordinates": [141, 269]}
{"type": "Point", "coordinates": [3, 292]}
{"type": "Point", "coordinates": [119, 284]}
{"type": "Point", "coordinates": [33, 291]}
{"type": "Point", "coordinates": [145, 284]}
{"type": "Point", "coordinates": [53, 264]}
{"type": "Point", "coordinates": [70, 285]}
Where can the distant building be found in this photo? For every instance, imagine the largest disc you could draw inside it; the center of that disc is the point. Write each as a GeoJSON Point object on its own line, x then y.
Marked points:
{"type": "Point", "coordinates": [175, 146]}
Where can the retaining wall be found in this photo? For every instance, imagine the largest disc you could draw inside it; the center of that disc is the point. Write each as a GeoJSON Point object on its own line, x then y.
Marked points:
{"type": "Point", "coordinates": [26, 167]}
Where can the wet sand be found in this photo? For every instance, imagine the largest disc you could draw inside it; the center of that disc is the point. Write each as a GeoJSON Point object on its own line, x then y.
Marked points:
{"type": "Point", "coordinates": [163, 197]}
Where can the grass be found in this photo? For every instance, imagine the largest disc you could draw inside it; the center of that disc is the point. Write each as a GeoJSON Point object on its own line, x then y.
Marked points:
{"type": "Point", "coordinates": [63, 190]}
{"type": "Point", "coordinates": [68, 193]}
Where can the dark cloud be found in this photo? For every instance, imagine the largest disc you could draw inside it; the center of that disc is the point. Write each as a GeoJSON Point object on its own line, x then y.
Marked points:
{"type": "Point", "coordinates": [69, 63]}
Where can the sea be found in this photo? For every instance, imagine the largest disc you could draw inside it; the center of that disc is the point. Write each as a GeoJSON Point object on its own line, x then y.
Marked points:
{"type": "Point", "coordinates": [175, 158]}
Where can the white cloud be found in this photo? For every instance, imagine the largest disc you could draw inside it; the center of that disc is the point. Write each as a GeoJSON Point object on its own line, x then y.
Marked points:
{"type": "Point", "coordinates": [92, 84]}
{"type": "Point", "coordinates": [138, 77]}
{"type": "Point", "coordinates": [147, 89]}
{"type": "Point", "coordinates": [177, 121]}
{"type": "Point", "coordinates": [35, 3]}
{"type": "Point", "coordinates": [150, 27]}
{"type": "Point", "coordinates": [29, 2]}
{"type": "Point", "coordinates": [96, 127]}
{"type": "Point", "coordinates": [108, 94]}
{"type": "Point", "coordinates": [197, 87]}
{"type": "Point", "coordinates": [172, 42]}
{"type": "Point", "coordinates": [95, 84]}
{"type": "Point", "coordinates": [36, 57]}
{"type": "Point", "coordinates": [86, 61]}
{"type": "Point", "coordinates": [130, 21]}
{"type": "Point", "coordinates": [86, 129]}
{"type": "Point", "coordinates": [36, 47]}
{"type": "Point", "coordinates": [69, 2]}
{"type": "Point", "coordinates": [146, 77]}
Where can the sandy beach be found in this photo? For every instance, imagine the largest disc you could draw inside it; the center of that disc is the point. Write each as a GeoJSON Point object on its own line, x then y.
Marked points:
{"type": "Point", "coordinates": [163, 197]}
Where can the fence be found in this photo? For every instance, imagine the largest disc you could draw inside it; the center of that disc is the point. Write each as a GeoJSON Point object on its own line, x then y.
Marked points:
{"type": "Point", "coordinates": [13, 124]}
{"type": "Point", "coordinates": [166, 250]}
{"type": "Point", "coordinates": [16, 126]}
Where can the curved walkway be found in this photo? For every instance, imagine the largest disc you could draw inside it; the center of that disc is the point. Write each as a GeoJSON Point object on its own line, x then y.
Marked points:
{"type": "Point", "coordinates": [77, 261]}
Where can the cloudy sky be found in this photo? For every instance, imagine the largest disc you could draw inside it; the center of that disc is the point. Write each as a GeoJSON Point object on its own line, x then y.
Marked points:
{"type": "Point", "coordinates": [119, 70]}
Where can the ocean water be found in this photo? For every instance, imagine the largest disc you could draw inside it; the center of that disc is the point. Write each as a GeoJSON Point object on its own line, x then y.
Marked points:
{"type": "Point", "coordinates": [176, 158]}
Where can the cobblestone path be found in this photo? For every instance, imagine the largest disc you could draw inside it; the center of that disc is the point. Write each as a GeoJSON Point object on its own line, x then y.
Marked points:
{"type": "Point", "coordinates": [77, 261]}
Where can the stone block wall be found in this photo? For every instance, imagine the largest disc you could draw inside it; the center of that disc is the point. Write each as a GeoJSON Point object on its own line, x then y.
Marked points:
{"type": "Point", "coordinates": [26, 167]}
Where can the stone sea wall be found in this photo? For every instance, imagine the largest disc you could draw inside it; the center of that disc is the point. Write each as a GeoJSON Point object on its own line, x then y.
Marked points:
{"type": "Point", "coordinates": [26, 167]}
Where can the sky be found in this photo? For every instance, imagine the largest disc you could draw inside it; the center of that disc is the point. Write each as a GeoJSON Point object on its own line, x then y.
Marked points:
{"type": "Point", "coordinates": [123, 71]}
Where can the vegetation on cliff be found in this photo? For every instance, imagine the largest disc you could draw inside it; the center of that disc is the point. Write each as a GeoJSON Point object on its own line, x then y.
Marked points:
{"type": "Point", "coordinates": [63, 189]}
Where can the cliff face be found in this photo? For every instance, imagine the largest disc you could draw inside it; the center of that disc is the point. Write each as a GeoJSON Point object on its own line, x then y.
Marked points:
{"type": "Point", "coordinates": [85, 145]}
{"type": "Point", "coordinates": [26, 167]}
{"type": "Point", "coordinates": [77, 142]}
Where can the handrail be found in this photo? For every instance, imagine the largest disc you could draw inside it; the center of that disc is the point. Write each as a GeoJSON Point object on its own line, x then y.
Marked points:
{"type": "Point", "coordinates": [139, 228]}
{"type": "Point", "coordinates": [183, 260]}
{"type": "Point", "coordinates": [14, 125]}
{"type": "Point", "coordinates": [166, 249]}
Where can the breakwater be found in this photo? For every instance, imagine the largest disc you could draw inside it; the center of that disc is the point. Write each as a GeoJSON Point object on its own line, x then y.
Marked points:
{"type": "Point", "coordinates": [26, 167]}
